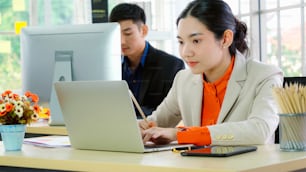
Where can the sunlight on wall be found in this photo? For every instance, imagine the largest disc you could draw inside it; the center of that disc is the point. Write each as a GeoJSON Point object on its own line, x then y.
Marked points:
{"type": "Point", "coordinates": [5, 47]}
{"type": "Point", "coordinates": [18, 5]}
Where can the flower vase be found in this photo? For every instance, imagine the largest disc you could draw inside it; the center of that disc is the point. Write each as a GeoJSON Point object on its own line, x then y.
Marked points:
{"type": "Point", "coordinates": [12, 136]}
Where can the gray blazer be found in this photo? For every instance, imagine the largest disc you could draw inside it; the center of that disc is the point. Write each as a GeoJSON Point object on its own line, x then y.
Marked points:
{"type": "Point", "coordinates": [248, 114]}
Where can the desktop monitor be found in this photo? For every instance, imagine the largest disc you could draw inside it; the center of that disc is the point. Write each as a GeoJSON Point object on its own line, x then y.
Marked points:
{"type": "Point", "coordinates": [68, 53]}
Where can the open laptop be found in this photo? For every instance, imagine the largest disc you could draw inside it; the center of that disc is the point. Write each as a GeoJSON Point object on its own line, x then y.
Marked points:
{"type": "Point", "coordinates": [99, 115]}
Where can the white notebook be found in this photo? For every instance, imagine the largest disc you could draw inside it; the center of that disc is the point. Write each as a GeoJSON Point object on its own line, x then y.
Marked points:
{"type": "Point", "coordinates": [48, 141]}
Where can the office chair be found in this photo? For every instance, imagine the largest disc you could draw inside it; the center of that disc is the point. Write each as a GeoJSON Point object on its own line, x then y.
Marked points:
{"type": "Point", "coordinates": [290, 80]}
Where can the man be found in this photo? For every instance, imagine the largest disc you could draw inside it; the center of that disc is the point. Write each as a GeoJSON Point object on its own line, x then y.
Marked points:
{"type": "Point", "coordinates": [148, 71]}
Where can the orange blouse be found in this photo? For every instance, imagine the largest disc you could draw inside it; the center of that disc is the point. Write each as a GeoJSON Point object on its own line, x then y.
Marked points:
{"type": "Point", "coordinates": [211, 105]}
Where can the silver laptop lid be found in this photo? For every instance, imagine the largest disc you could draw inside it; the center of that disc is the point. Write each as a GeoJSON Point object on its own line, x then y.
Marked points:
{"type": "Point", "coordinates": [99, 115]}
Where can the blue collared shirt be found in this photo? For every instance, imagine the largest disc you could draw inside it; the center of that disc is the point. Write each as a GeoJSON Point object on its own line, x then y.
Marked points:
{"type": "Point", "coordinates": [134, 78]}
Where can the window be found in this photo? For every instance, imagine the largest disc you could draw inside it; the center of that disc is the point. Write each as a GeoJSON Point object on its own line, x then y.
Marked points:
{"type": "Point", "coordinates": [276, 32]}
{"type": "Point", "coordinates": [10, 72]}
{"type": "Point", "coordinates": [161, 21]}
{"type": "Point", "coordinates": [283, 35]}
{"type": "Point", "coordinates": [276, 28]}
{"type": "Point", "coordinates": [33, 12]}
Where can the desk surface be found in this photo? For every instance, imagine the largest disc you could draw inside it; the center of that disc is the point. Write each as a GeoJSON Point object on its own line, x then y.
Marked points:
{"type": "Point", "coordinates": [266, 158]}
{"type": "Point", "coordinates": [42, 127]}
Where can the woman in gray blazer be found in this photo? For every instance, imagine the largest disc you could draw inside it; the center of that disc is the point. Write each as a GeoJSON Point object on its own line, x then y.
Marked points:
{"type": "Point", "coordinates": [212, 43]}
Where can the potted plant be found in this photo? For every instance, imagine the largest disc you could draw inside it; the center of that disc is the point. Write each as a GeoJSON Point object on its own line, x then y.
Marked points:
{"type": "Point", "coordinates": [15, 113]}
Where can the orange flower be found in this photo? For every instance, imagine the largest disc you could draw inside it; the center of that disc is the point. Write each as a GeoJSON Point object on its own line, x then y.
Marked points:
{"type": "Point", "coordinates": [47, 111]}
{"type": "Point", "coordinates": [6, 93]}
{"type": "Point", "coordinates": [27, 93]}
{"type": "Point", "coordinates": [34, 97]}
{"type": "Point", "coordinates": [16, 97]}
{"type": "Point", "coordinates": [16, 109]}
{"type": "Point", "coordinates": [2, 113]}
{"type": "Point", "coordinates": [9, 107]}
{"type": "Point", "coordinates": [36, 108]}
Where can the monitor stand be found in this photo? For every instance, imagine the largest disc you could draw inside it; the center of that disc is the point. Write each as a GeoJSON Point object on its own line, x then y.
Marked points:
{"type": "Point", "coordinates": [62, 72]}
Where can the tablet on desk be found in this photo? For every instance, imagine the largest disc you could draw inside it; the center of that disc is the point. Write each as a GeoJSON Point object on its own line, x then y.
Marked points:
{"type": "Point", "coordinates": [219, 151]}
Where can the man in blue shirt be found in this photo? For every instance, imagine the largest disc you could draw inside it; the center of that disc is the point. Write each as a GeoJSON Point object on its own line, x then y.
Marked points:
{"type": "Point", "coordinates": [148, 71]}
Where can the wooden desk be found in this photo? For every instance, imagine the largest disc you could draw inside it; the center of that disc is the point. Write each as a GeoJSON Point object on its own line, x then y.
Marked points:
{"type": "Point", "coordinates": [42, 127]}
{"type": "Point", "coordinates": [266, 158]}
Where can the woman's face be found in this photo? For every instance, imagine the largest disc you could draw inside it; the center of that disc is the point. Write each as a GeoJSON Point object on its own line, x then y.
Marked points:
{"type": "Point", "coordinates": [199, 48]}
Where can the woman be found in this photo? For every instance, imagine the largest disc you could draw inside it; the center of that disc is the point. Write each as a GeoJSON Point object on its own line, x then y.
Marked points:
{"type": "Point", "coordinates": [223, 98]}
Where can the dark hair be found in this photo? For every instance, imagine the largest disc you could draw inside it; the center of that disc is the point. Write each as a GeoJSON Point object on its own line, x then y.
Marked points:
{"type": "Point", "coordinates": [127, 11]}
{"type": "Point", "coordinates": [217, 16]}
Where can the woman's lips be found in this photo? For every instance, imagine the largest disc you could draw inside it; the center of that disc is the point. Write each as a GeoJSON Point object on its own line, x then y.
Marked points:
{"type": "Point", "coordinates": [192, 64]}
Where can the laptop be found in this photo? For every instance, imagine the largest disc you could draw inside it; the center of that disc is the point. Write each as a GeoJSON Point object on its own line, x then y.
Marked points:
{"type": "Point", "coordinates": [99, 115]}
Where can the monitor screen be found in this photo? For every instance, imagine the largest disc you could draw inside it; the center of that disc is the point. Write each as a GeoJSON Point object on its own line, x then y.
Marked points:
{"type": "Point", "coordinates": [68, 52]}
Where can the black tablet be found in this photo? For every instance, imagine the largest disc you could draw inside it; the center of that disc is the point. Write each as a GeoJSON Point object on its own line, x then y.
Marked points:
{"type": "Point", "coordinates": [219, 151]}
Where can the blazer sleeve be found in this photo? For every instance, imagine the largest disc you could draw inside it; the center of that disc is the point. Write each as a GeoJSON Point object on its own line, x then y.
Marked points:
{"type": "Point", "coordinates": [252, 118]}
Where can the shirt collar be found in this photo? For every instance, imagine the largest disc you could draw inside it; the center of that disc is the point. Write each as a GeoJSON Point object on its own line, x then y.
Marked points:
{"type": "Point", "coordinates": [226, 75]}
{"type": "Point", "coordinates": [144, 55]}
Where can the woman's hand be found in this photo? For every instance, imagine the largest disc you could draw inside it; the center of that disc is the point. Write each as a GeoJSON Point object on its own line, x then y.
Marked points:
{"type": "Point", "coordinates": [159, 135]}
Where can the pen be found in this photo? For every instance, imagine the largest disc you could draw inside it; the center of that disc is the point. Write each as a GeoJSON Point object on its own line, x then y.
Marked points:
{"type": "Point", "coordinates": [186, 148]}
{"type": "Point", "coordinates": [138, 107]}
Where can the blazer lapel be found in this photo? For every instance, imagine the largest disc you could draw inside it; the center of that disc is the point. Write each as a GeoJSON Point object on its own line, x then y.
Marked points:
{"type": "Point", "coordinates": [196, 93]}
{"type": "Point", "coordinates": [144, 84]}
{"type": "Point", "coordinates": [234, 86]}
{"type": "Point", "coordinates": [147, 74]}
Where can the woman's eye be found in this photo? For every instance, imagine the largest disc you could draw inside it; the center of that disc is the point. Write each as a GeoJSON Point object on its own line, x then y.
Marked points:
{"type": "Point", "coordinates": [180, 42]}
{"type": "Point", "coordinates": [196, 41]}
